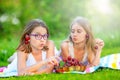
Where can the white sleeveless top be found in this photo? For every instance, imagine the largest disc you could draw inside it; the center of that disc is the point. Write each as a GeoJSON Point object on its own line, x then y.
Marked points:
{"type": "Point", "coordinates": [30, 61]}
{"type": "Point", "coordinates": [71, 52]}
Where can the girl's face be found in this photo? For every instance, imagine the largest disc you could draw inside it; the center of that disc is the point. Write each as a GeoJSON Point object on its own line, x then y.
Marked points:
{"type": "Point", "coordinates": [78, 33]}
{"type": "Point", "coordinates": [38, 38]}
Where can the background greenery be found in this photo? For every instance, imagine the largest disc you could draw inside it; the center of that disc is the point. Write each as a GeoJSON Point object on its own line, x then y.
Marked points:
{"type": "Point", "coordinates": [102, 14]}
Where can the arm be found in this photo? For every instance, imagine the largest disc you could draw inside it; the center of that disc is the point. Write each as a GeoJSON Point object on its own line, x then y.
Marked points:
{"type": "Point", "coordinates": [100, 45]}
{"type": "Point", "coordinates": [22, 57]}
{"type": "Point", "coordinates": [50, 53]}
{"type": "Point", "coordinates": [64, 50]}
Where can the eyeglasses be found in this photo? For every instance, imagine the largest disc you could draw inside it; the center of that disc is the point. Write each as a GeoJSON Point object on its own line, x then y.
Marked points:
{"type": "Point", "coordinates": [39, 36]}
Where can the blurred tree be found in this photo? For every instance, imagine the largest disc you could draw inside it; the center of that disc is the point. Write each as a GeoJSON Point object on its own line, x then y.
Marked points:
{"type": "Point", "coordinates": [14, 14]}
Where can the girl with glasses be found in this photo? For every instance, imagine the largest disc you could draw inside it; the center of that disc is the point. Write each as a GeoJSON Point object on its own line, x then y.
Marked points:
{"type": "Point", "coordinates": [35, 53]}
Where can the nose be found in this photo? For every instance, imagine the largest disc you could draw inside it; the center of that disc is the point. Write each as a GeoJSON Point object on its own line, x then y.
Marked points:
{"type": "Point", "coordinates": [74, 34]}
{"type": "Point", "coordinates": [42, 39]}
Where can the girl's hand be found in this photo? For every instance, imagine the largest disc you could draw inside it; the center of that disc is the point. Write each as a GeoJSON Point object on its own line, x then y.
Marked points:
{"type": "Point", "coordinates": [53, 60]}
{"type": "Point", "coordinates": [99, 44]}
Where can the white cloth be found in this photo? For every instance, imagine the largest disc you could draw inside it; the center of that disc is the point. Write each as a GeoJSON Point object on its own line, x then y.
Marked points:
{"type": "Point", "coordinates": [30, 61]}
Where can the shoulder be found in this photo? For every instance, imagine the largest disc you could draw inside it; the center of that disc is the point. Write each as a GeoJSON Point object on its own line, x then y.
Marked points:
{"type": "Point", "coordinates": [21, 54]}
{"type": "Point", "coordinates": [65, 49]}
{"type": "Point", "coordinates": [64, 44]}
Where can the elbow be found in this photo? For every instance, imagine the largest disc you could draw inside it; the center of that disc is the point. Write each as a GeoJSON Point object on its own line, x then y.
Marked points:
{"type": "Point", "coordinates": [22, 72]}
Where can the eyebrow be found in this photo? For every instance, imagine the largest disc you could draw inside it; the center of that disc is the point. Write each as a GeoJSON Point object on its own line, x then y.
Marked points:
{"type": "Point", "coordinates": [38, 33]}
{"type": "Point", "coordinates": [77, 29]}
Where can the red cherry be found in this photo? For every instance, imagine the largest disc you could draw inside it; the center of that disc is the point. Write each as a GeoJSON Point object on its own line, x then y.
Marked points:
{"type": "Point", "coordinates": [72, 63]}
{"type": "Point", "coordinates": [69, 62]}
{"type": "Point", "coordinates": [73, 60]}
{"type": "Point", "coordinates": [96, 47]}
{"type": "Point", "coordinates": [27, 37]}
{"type": "Point", "coordinates": [64, 60]}
{"type": "Point", "coordinates": [56, 71]}
{"type": "Point", "coordinates": [77, 63]}
{"type": "Point", "coordinates": [69, 58]}
{"type": "Point", "coordinates": [26, 42]}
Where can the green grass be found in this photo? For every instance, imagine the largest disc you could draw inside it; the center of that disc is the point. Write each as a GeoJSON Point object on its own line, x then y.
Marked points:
{"type": "Point", "coordinates": [100, 74]}
{"type": "Point", "coordinates": [8, 46]}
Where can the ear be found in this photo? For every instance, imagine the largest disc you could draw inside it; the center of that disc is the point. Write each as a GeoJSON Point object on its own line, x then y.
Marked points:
{"type": "Point", "coordinates": [87, 36]}
{"type": "Point", "coordinates": [27, 38]}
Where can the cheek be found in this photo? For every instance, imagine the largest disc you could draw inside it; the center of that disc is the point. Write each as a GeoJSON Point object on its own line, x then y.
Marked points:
{"type": "Point", "coordinates": [82, 36]}
{"type": "Point", "coordinates": [71, 35]}
{"type": "Point", "coordinates": [33, 42]}
{"type": "Point", "coordinates": [45, 41]}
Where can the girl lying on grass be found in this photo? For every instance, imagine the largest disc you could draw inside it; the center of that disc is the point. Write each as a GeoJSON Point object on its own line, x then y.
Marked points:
{"type": "Point", "coordinates": [35, 53]}
{"type": "Point", "coordinates": [81, 47]}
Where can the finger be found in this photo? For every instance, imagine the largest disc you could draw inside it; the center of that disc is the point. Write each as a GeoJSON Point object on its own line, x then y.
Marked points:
{"type": "Point", "coordinates": [55, 62]}
{"type": "Point", "coordinates": [97, 41]}
{"type": "Point", "coordinates": [101, 43]}
{"type": "Point", "coordinates": [51, 62]}
{"type": "Point", "coordinates": [58, 58]}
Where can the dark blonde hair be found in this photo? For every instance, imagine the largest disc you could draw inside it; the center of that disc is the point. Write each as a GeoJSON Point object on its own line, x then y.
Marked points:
{"type": "Point", "coordinates": [90, 42]}
{"type": "Point", "coordinates": [28, 29]}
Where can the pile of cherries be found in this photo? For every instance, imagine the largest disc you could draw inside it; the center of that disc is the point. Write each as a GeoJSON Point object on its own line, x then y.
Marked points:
{"type": "Point", "coordinates": [69, 64]}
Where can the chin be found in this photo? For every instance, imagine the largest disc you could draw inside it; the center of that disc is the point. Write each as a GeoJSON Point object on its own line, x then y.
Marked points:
{"type": "Point", "coordinates": [40, 48]}
{"type": "Point", "coordinates": [75, 41]}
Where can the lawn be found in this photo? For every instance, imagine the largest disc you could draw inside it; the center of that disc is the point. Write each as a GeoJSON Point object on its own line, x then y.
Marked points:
{"type": "Point", "coordinates": [8, 45]}
{"type": "Point", "coordinates": [100, 74]}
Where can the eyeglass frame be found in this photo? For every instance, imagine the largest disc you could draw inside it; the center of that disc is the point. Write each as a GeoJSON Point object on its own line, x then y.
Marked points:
{"type": "Point", "coordinates": [40, 36]}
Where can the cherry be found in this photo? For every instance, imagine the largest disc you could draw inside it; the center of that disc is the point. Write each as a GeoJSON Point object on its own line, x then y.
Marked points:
{"type": "Point", "coordinates": [69, 58]}
{"type": "Point", "coordinates": [73, 59]}
{"type": "Point", "coordinates": [26, 42]}
{"type": "Point", "coordinates": [96, 47]}
{"type": "Point", "coordinates": [27, 37]}
{"type": "Point", "coordinates": [70, 64]}
{"type": "Point", "coordinates": [64, 60]}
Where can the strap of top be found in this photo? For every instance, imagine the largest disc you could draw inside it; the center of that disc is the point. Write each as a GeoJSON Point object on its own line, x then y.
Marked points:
{"type": "Point", "coordinates": [85, 57]}
{"type": "Point", "coordinates": [71, 50]}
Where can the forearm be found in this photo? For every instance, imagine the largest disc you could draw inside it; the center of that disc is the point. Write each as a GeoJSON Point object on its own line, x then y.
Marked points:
{"type": "Point", "coordinates": [48, 69]}
{"type": "Point", "coordinates": [96, 59]}
{"type": "Point", "coordinates": [36, 66]}
{"type": "Point", "coordinates": [32, 68]}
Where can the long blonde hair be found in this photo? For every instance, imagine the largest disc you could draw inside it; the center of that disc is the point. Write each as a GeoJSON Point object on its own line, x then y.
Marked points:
{"type": "Point", "coordinates": [90, 43]}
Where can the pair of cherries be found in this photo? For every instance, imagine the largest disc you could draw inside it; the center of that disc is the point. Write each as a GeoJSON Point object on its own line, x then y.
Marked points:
{"type": "Point", "coordinates": [27, 38]}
